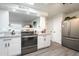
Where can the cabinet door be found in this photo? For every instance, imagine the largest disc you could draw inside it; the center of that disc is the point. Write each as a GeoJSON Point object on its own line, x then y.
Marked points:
{"type": "Point", "coordinates": [47, 40]}
{"type": "Point", "coordinates": [41, 42]}
{"type": "Point", "coordinates": [3, 48]}
{"type": "Point", "coordinates": [14, 46]}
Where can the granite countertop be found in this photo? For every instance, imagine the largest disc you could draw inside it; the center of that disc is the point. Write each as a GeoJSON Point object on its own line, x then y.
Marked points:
{"type": "Point", "coordinates": [11, 36]}
{"type": "Point", "coordinates": [43, 34]}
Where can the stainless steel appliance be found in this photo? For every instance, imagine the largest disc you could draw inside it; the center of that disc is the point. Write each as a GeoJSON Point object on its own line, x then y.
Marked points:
{"type": "Point", "coordinates": [70, 34]}
{"type": "Point", "coordinates": [28, 42]}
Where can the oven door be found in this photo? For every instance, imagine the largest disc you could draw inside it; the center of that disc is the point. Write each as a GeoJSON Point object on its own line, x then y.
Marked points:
{"type": "Point", "coordinates": [29, 41]}
{"type": "Point", "coordinates": [29, 45]}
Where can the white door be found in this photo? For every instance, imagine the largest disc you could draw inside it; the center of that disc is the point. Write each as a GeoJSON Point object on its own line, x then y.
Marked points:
{"type": "Point", "coordinates": [3, 48]}
{"type": "Point", "coordinates": [14, 46]}
{"type": "Point", "coordinates": [56, 29]}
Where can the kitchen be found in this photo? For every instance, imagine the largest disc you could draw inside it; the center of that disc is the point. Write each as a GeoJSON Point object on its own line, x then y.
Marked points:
{"type": "Point", "coordinates": [21, 31]}
{"type": "Point", "coordinates": [26, 30]}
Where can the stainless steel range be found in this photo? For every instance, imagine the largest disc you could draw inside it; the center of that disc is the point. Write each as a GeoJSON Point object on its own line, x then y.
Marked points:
{"type": "Point", "coordinates": [28, 42]}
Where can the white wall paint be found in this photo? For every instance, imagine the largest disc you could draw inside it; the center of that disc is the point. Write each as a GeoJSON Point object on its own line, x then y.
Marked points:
{"type": "Point", "coordinates": [38, 22]}
{"type": "Point", "coordinates": [54, 27]}
{"type": "Point", "coordinates": [4, 20]}
{"type": "Point", "coordinates": [76, 13]}
{"type": "Point", "coordinates": [25, 23]}
{"type": "Point", "coordinates": [41, 24]}
{"type": "Point", "coordinates": [22, 23]}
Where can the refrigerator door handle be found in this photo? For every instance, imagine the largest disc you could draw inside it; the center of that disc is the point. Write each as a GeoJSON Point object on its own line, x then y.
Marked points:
{"type": "Point", "coordinates": [73, 39]}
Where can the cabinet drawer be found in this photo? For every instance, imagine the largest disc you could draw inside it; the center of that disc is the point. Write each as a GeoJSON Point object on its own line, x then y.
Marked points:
{"type": "Point", "coordinates": [71, 43]}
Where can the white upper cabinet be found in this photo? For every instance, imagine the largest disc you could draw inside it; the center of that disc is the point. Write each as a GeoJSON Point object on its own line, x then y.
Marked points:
{"type": "Point", "coordinates": [42, 23]}
{"type": "Point", "coordinates": [4, 20]}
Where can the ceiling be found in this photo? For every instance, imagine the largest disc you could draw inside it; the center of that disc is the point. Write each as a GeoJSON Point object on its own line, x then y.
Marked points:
{"type": "Point", "coordinates": [55, 8]}
{"type": "Point", "coordinates": [50, 8]}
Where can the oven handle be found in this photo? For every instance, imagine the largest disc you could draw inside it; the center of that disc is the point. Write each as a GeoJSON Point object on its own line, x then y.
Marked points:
{"type": "Point", "coordinates": [29, 36]}
{"type": "Point", "coordinates": [72, 39]}
{"type": "Point", "coordinates": [6, 39]}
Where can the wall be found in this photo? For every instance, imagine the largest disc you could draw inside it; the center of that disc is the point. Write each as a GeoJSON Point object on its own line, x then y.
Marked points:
{"type": "Point", "coordinates": [4, 20]}
{"type": "Point", "coordinates": [76, 13]}
{"type": "Point", "coordinates": [37, 20]}
{"type": "Point", "coordinates": [13, 19]}
{"type": "Point", "coordinates": [54, 27]}
{"type": "Point", "coordinates": [25, 23]}
{"type": "Point", "coordinates": [40, 23]}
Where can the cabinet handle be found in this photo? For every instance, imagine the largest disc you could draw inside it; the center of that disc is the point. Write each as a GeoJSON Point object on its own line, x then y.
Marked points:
{"type": "Point", "coordinates": [8, 44]}
{"type": "Point", "coordinates": [6, 39]}
{"type": "Point", "coordinates": [5, 44]}
{"type": "Point", "coordinates": [44, 39]}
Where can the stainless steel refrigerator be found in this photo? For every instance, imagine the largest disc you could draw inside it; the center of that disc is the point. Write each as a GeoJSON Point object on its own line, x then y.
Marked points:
{"type": "Point", "coordinates": [70, 33]}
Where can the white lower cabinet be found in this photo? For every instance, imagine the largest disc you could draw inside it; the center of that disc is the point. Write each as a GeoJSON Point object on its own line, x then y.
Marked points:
{"type": "Point", "coordinates": [14, 47]}
{"type": "Point", "coordinates": [47, 42]}
{"type": "Point", "coordinates": [40, 42]}
{"type": "Point", "coordinates": [43, 41]}
{"type": "Point", "coordinates": [3, 48]}
{"type": "Point", "coordinates": [10, 47]}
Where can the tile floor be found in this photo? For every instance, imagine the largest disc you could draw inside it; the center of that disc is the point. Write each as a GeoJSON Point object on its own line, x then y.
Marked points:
{"type": "Point", "coordinates": [54, 50]}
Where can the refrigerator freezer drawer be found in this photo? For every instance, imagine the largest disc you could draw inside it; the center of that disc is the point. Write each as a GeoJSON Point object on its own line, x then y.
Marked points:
{"type": "Point", "coordinates": [71, 43]}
